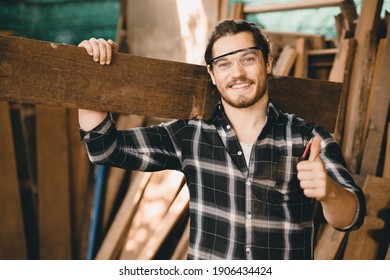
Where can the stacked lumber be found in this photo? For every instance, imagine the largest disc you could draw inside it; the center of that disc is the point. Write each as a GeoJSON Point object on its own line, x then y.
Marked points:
{"type": "Point", "coordinates": [360, 58]}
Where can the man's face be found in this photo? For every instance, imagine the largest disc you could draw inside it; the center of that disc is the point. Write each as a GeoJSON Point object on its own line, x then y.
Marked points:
{"type": "Point", "coordinates": [241, 77]}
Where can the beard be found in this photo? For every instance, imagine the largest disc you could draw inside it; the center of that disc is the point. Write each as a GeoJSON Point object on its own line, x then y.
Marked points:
{"type": "Point", "coordinates": [243, 101]}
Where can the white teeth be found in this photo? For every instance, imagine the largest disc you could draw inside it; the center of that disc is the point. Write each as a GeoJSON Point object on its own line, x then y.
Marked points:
{"type": "Point", "coordinates": [238, 86]}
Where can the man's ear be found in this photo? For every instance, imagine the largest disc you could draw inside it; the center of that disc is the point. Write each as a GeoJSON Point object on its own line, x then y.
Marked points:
{"type": "Point", "coordinates": [211, 74]}
{"type": "Point", "coordinates": [270, 63]}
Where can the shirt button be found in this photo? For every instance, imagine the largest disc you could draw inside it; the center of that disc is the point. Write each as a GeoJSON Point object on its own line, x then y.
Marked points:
{"type": "Point", "coordinates": [239, 153]}
{"type": "Point", "coordinates": [248, 250]}
{"type": "Point", "coordinates": [249, 216]}
{"type": "Point", "coordinates": [228, 127]}
{"type": "Point", "coordinates": [248, 182]}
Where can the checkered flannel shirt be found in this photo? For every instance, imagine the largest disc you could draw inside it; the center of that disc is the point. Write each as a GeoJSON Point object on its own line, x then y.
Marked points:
{"type": "Point", "coordinates": [236, 211]}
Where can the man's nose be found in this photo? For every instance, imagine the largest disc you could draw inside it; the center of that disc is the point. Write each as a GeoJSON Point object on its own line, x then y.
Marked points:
{"type": "Point", "coordinates": [237, 69]}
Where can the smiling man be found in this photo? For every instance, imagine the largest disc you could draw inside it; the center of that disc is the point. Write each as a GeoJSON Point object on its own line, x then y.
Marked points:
{"type": "Point", "coordinates": [251, 192]}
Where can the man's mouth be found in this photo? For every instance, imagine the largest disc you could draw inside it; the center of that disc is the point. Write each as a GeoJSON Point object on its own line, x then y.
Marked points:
{"type": "Point", "coordinates": [240, 85]}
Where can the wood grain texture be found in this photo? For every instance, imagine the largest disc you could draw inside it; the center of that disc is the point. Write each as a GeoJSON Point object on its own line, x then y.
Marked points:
{"type": "Point", "coordinates": [46, 73]}
{"type": "Point", "coordinates": [12, 236]}
{"type": "Point", "coordinates": [371, 240]}
{"type": "Point", "coordinates": [54, 214]}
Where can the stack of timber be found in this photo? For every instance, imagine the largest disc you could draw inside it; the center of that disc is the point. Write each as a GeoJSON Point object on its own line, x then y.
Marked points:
{"type": "Point", "coordinates": [359, 58]}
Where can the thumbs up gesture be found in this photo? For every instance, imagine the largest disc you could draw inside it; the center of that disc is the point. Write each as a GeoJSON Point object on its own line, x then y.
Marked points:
{"type": "Point", "coordinates": [312, 173]}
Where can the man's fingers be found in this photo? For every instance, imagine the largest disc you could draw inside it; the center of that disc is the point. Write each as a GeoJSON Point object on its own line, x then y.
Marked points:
{"type": "Point", "coordinates": [100, 49]}
{"type": "Point", "coordinates": [315, 149]}
{"type": "Point", "coordinates": [95, 49]}
{"type": "Point", "coordinates": [87, 46]}
{"type": "Point", "coordinates": [104, 50]}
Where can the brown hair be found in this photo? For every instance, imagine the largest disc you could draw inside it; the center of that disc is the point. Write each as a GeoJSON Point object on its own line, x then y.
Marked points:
{"type": "Point", "coordinates": [232, 27]}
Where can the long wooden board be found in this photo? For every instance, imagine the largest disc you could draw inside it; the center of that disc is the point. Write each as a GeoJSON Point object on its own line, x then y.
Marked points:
{"type": "Point", "coordinates": [12, 234]}
{"type": "Point", "coordinates": [54, 214]}
{"type": "Point", "coordinates": [39, 72]}
{"type": "Point", "coordinates": [299, 5]}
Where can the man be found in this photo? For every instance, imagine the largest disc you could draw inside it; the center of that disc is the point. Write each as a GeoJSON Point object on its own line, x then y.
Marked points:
{"type": "Point", "coordinates": [251, 197]}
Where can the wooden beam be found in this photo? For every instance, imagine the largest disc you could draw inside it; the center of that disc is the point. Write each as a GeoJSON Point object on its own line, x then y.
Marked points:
{"type": "Point", "coordinates": [328, 244]}
{"type": "Point", "coordinates": [285, 61]}
{"type": "Point", "coordinates": [380, 106]}
{"type": "Point", "coordinates": [309, 4]}
{"type": "Point", "coordinates": [223, 9]}
{"type": "Point", "coordinates": [56, 74]}
{"type": "Point", "coordinates": [12, 236]}
{"type": "Point", "coordinates": [175, 211]}
{"type": "Point", "coordinates": [368, 242]}
{"type": "Point", "coordinates": [360, 82]}
{"type": "Point", "coordinates": [281, 90]}
{"type": "Point", "coordinates": [54, 214]}
{"type": "Point", "coordinates": [81, 189]}
{"type": "Point", "coordinates": [53, 74]}
{"type": "Point", "coordinates": [386, 168]}
{"type": "Point", "coordinates": [340, 72]}
{"type": "Point", "coordinates": [301, 64]}
{"type": "Point", "coordinates": [161, 191]}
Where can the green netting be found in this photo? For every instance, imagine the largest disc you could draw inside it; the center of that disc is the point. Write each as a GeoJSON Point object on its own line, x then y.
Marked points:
{"type": "Point", "coordinates": [314, 21]}
{"type": "Point", "coordinates": [60, 20]}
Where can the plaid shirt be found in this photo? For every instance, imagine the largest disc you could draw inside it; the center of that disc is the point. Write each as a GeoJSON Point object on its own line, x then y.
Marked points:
{"type": "Point", "coordinates": [236, 211]}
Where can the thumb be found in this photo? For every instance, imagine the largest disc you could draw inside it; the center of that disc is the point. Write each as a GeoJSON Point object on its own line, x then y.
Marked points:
{"type": "Point", "coordinates": [315, 149]}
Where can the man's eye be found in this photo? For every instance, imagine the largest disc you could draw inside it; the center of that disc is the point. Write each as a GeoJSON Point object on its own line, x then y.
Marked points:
{"type": "Point", "coordinates": [249, 59]}
{"type": "Point", "coordinates": [223, 65]}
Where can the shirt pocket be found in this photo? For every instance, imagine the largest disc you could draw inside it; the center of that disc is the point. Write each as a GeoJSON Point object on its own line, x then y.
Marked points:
{"type": "Point", "coordinates": [287, 187]}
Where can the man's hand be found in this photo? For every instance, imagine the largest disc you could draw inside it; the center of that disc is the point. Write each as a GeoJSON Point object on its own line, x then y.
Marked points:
{"type": "Point", "coordinates": [100, 49]}
{"type": "Point", "coordinates": [315, 182]}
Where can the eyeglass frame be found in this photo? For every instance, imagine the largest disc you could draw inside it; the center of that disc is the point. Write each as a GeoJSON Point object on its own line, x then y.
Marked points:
{"type": "Point", "coordinates": [233, 52]}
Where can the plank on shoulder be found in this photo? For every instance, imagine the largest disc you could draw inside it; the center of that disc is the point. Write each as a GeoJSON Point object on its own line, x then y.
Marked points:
{"type": "Point", "coordinates": [53, 74]}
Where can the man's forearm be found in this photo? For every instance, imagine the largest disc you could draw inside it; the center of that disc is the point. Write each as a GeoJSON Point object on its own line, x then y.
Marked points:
{"type": "Point", "coordinates": [340, 208]}
{"type": "Point", "coordinates": [90, 119]}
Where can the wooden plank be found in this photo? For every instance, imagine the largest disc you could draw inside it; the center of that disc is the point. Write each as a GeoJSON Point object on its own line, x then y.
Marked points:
{"type": "Point", "coordinates": [66, 75]}
{"type": "Point", "coordinates": [21, 116]}
{"type": "Point", "coordinates": [53, 184]}
{"type": "Point", "coordinates": [360, 82]}
{"type": "Point", "coordinates": [13, 245]}
{"type": "Point", "coordinates": [309, 4]}
{"type": "Point", "coordinates": [301, 64]}
{"type": "Point", "coordinates": [80, 187]}
{"type": "Point", "coordinates": [328, 244]}
{"type": "Point", "coordinates": [237, 11]}
{"type": "Point", "coordinates": [115, 237]}
{"type": "Point", "coordinates": [281, 39]}
{"type": "Point", "coordinates": [223, 9]}
{"type": "Point", "coordinates": [285, 90]}
{"type": "Point", "coordinates": [160, 192]}
{"type": "Point", "coordinates": [386, 168]}
{"type": "Point", "coordinates": [378, 114]}
{"type": "Point", "coordinates": [285, 61]}
{"type": "Point", "coordinates": [340, 72]}
{"type": "Point", "coordinates": [367, 242]}
{"type": "Point", "coordinates": [176, 210]}
{"type": "Point", "coordinates": [62, 75]}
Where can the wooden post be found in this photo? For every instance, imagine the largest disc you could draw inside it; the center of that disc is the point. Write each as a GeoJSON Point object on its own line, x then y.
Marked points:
{"type": "Point", "coordinates": [12, 237]}
{"type": "Point", "coordinates": [380, 106]}
{"type": "Point", "coordinates": [365, 35]}
{"type": "Point", "coordinates": [368, 242]}
{"type": "Point", "coordinates": [53, 184]}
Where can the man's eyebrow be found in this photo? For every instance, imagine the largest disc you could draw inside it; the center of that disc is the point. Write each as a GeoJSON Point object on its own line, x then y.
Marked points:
{"type": "Point", "coordinates": [234, 52]}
